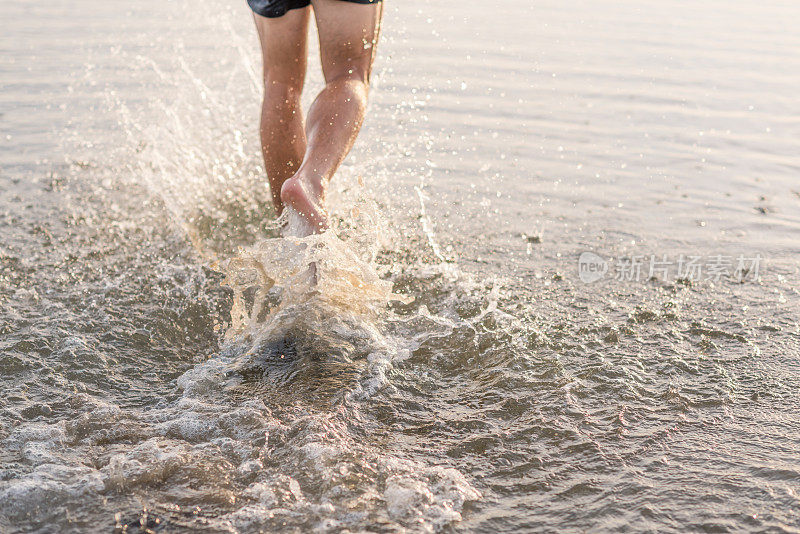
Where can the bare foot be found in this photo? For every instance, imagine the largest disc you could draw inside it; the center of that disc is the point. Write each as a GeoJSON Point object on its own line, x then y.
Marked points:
{"type": "Point", "coordinates": [306, 196]}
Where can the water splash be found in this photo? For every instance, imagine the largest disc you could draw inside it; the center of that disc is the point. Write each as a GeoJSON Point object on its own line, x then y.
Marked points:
{"type": "Point", "coordinates": [314, 290]}
{"type": "Point", "coordinates": [272, 429]}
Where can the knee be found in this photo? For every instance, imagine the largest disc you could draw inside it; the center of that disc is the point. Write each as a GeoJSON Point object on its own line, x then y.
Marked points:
{"type": "Point", "coordinates": [354, 79]}
{"type": "Point", "coordinates": [282, 90]}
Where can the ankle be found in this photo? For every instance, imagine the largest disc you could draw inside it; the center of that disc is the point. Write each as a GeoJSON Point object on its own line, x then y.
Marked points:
{"type": "Point", "coordinates": [312, 180]}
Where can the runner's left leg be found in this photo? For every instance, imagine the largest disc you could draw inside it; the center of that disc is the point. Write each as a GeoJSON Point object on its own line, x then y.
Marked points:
{"type": "Point", "coordinates": [284, 50]}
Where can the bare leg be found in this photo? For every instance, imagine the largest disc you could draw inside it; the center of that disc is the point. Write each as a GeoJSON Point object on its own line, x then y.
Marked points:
{"type": "Point", "coordinates": [283, 140]}
{"type": "Point", "coordinates": [348, 34]}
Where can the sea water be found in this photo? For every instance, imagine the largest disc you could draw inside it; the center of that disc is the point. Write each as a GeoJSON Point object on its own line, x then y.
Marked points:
{"type": "Point", "coordinates": [442, 360]}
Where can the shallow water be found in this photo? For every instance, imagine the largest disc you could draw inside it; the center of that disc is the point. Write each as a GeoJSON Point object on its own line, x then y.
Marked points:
{"type": "Point", "coordinates": [168, 362]}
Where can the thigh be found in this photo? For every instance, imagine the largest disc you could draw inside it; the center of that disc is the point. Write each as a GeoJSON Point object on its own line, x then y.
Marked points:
{"type": "Point", "coordinates": [348, 36]}
{"type": "Point", "coordinates": [284, 46]}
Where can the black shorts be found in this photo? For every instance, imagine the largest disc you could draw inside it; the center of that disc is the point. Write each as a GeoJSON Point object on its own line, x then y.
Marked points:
{"type": "Point", "coordinates": [277, 8]}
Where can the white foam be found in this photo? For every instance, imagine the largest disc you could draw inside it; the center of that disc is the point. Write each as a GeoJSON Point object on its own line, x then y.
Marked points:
{"type": "Point", "coordinates": [47, 489]}
{"type": "Point", "coordinates": [295, 224]}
